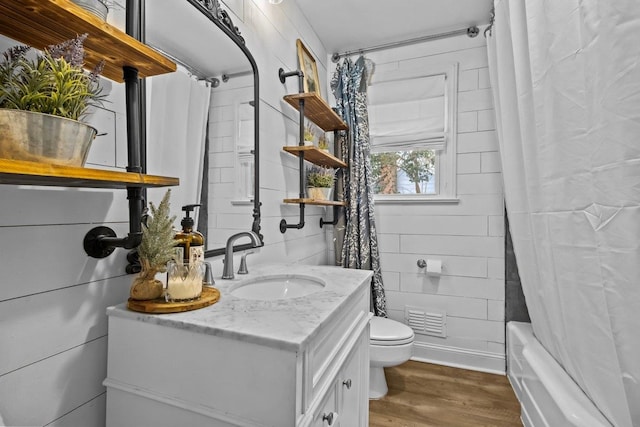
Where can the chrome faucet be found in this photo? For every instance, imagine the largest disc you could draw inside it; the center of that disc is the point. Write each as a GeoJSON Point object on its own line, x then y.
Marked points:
{"type": "Point", "coordinates": [227, 271]}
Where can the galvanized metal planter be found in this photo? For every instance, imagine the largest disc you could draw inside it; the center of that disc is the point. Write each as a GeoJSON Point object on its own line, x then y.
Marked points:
{"type": "Point", "coordinates": [319, 193]}
{"type": "Point", "coordinates": [44, 138]}
{"type": "Point", "coordinates": [97, 7]}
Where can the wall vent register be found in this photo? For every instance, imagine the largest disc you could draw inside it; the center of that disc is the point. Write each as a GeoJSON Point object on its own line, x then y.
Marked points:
{"type": "Point", "coordinates": [434, 324]}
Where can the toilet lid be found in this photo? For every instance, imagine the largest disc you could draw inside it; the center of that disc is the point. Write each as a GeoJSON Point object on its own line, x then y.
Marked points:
{"type": "Point", "coordinates": [385, 331]}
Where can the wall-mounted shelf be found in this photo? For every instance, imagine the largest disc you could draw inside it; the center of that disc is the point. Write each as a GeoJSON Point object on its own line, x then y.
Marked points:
{"type": "Point", "coordinates": [40, 23]}
{"type": "Point", "coordinates": [315, 155]}
{"type": "Point", "coordinates": [316, 202]}
{"type": "Point", "coordinates": [317, 110]}
{"type": "Point", "coordinates": [29, 173]}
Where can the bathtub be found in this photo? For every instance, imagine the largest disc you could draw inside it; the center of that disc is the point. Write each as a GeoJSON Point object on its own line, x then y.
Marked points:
{"type": "Point", "coordinates": [547, 394]}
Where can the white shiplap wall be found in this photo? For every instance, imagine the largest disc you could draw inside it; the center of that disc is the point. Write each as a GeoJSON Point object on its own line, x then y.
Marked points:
{"type": "Point", "coordinates": [53, 334]}
{"type": "Point", "coordinates": [468, 237]}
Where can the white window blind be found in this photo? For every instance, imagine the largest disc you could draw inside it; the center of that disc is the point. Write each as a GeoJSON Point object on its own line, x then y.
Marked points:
{"type": "Point", "coordinates": [407, 114]}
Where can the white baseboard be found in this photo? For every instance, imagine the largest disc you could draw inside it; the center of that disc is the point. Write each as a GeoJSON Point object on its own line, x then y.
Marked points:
{"type": "Point", "coordinates": [475, 360]}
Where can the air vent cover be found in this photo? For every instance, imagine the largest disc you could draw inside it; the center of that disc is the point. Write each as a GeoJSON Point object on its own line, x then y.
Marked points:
{"type": "Point", "coordinates": [434, 324]}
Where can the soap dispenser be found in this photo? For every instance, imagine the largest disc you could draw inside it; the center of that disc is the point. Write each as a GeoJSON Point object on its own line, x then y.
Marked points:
{"type": "Point", "coordinates": [190, 247]}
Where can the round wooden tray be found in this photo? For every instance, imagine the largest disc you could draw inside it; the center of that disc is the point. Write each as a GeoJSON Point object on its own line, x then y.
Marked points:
{"type": "Point", "coordinates": [208, 297]}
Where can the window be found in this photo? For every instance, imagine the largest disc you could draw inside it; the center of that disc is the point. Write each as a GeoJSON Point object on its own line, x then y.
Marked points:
{"type": "Point", "coordinates": [413, 134]}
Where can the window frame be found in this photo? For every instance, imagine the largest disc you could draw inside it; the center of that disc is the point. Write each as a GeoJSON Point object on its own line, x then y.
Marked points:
{"type": "Point", "coordinates": [446, 171]}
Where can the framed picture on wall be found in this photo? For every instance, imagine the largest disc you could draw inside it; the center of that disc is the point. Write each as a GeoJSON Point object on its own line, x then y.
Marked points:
{"type": "Point", "coordinates": [308, 66]}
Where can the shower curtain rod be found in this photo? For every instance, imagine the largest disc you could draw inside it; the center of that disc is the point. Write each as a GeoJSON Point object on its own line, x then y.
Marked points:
{"type": "Point", "coordinates": [470, 31]}
{"type": "Point", "coordinates": [226, 77]}
{"type": "Point", "coordinates": [215, 82]}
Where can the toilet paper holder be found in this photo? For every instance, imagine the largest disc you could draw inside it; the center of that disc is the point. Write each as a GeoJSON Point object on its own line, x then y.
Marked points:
{"type": "Point", "coordinates": [433, 266]}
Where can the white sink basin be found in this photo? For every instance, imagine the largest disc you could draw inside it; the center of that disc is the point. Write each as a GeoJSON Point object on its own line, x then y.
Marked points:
{"type": "Point", "coordinates": [281, 286]}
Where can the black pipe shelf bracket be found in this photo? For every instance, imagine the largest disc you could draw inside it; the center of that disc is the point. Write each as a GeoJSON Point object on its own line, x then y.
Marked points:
{"type": "Point", "coordinates": [334, 221]}
{"type": "Point", "coordinates": [101, 241]}
{"type": "Point", "coordinates": [283, 76]}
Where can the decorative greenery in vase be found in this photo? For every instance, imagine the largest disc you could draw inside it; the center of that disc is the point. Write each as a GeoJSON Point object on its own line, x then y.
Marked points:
{"type": "Point", "coordinates": [155, 250]}
{"type": "Point", "coordinates": [54, 82]}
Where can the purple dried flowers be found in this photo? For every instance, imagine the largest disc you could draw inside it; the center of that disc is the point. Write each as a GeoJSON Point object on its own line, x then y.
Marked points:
{"type": "Point", "coordinates": [71, 50]}
{"type": "Point", "coordinates": [52, 83]}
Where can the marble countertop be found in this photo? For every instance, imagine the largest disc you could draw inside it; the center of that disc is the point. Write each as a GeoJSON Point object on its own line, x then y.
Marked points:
{"type": "Point", "coordinates": [284, 323]}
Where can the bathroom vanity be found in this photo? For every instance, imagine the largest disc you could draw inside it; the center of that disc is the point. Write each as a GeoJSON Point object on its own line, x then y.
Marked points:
{"type": "Point", "coordinates": [255, 359]}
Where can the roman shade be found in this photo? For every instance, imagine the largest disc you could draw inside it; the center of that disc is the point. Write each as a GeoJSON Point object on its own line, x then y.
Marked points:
{"type": "Point", "coordinates": [407, 114]}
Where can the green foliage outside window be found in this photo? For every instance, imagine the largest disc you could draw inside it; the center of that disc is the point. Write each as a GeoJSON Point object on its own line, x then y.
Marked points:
{"type": "Point", "coordinates": [418, 166]}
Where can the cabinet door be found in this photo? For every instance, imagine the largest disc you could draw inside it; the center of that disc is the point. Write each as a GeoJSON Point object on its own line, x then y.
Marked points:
{"type": "Point", "coordinates": [327, 413]}
{"type": "Point", "coordinates": [353, 386]}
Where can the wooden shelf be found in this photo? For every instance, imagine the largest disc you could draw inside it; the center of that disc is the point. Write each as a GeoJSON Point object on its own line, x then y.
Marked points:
{"type": "Point", "coordinates": [316, 156]}
{"type": "Point", "coordinates": [317, 110]}
{"type": "Point", "coordinates": [40, 23]}
{"type": "Point", "coordinates": [29, 173]}
{"type": "Point", "coordinates": [315, 202]}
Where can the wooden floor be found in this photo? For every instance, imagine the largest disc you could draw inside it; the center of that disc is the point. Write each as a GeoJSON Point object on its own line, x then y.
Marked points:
{"type": "Point", "coordinates": [423, 394]}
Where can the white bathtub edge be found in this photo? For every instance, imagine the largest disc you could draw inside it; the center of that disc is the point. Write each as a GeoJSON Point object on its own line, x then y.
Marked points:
{"type": "Point", "coordinates": [547, 394]}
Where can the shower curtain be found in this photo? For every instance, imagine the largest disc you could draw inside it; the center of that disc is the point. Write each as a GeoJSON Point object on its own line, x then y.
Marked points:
{"type": "Point", "coordinates": [178, 108]}
{"type": "Point", "coordinates": [566, 85]}
{"type": "Point", "coordinates": [355, 232]}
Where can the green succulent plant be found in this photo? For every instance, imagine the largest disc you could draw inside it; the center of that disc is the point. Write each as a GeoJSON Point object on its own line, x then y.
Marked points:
{"type": "Point", "coordinates": [54, 82]}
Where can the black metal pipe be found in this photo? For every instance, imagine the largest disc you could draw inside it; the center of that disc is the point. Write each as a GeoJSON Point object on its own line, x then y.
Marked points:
{"type": "Point", "coordinates": [334, 221]}
{"type": "Point", "coordinates": [101, 241]}
{"type": "Point", "coordinates": [283, 76]}
{"type": "Point", "coordinates": [133, 118]}
{"type": "Point", "coordinates": [133, 21]}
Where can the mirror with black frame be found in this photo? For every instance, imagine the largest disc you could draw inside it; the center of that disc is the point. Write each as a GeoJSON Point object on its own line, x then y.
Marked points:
{"type": "Point", "coordinates": [201, 38]}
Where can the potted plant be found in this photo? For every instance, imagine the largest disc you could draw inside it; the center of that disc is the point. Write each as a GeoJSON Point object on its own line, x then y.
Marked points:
{"type": "Point", "coordinates": [319, 182]}
{"type": "Point", "coordinates": [309, 135]}
{"type": "Point", "coordinates": [323, 143]}
{"type": "Point", "coordinates": [99, 8]}
{"type": "Point", "coordinates": [155, 251]}
{"type": "Point", "coordinates": [43, 99]}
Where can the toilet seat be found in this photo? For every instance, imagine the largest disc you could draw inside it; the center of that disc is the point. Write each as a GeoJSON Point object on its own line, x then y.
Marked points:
{"type": "Point", "coordinates": [387, 332]}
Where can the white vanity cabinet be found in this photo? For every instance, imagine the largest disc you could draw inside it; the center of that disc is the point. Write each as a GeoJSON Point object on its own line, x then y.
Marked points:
{"type": "Point", "coordinates": [342, 404]}
{"type": "Point", "coordinates": [297, 362]}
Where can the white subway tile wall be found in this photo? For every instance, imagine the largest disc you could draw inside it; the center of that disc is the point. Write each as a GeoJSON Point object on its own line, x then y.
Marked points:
{"type": "Point", "coordinates": [468, 237]}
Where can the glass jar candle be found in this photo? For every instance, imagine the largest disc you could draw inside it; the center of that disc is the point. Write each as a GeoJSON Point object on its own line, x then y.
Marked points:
{"type": "Point", "coordinates": [184, 281]}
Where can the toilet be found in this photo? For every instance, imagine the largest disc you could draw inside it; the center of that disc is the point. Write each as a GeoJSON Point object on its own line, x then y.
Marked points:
{"type": "Point", "coordinates": [390, 344]}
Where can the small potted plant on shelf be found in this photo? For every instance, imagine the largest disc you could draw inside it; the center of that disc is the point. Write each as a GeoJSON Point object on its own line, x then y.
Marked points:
{"type": "Point", "coordinates": [309, 135]}
{"type": "Point", "coordinates": [43, 99]}
{"type": "Point", "coordinates": [99, 8]}
{"type": "Point", "coordinates": [155, 251]}
{"type": "Point", "coordinates": [323, 143]}
{"type": "Point", "coordinates": [319, 182]}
